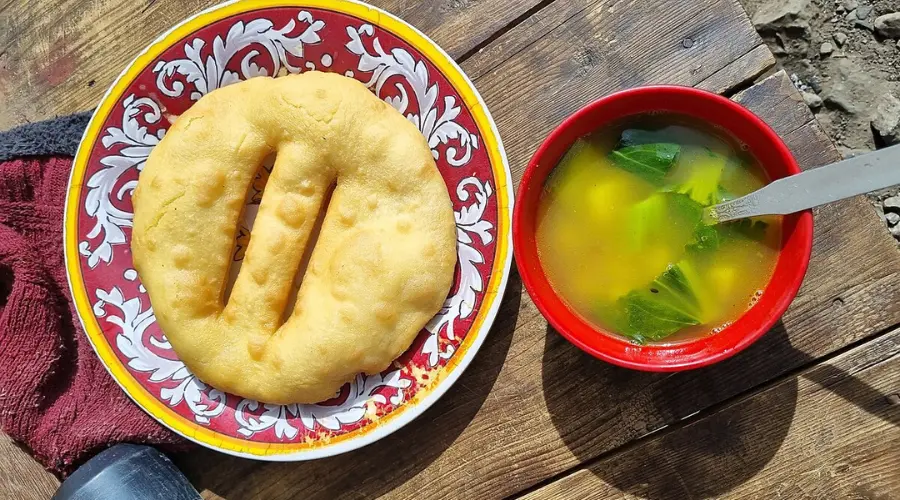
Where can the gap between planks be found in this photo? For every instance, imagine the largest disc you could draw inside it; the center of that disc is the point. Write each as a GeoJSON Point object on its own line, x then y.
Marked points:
{"type": "Point", "coordinates": [797, 372]}
{"type": "Point", "coordinates": [503, 30]}
{"type": "Point", "coordinates": [739, 63]}
{"type": "Point", "coordinates": [740, 74]}
{"type": "Point", "coordinates": [49, 479]}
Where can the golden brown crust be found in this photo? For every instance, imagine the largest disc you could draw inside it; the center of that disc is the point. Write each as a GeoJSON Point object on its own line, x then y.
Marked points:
{"type": "Point", "coordinates": [382, 265]}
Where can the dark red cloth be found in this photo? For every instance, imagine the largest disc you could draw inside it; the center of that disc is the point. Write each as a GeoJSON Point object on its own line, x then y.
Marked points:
{"type": "Point", "coordinates": [56, 398]}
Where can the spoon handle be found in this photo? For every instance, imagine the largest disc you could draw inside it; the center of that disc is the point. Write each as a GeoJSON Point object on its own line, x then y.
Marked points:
{"type": "Point", "coordinates": [818, 186]}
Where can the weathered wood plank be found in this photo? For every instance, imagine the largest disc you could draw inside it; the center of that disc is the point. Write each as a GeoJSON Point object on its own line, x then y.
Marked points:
{"type": "Point", "coordinates": [524, 34]}
{"type": "Point", "coordinates": [749, 66]}
{"type": "Point", "coordinates": [94, 28]}
{"type": "Point", "coordinates": [512, 421]}
{"type": "Point", "coordinates": [550, 407]}
{"type": "Point", "coordinates": [57, 58]}
{"type": "Point", "coordinates": [576, 52]}
{"type": "Point", "coordinates": [21, 478]}
{"type": "Point", "coordinates": [779, 103]}
{"type": "Point", "coordinates": [832, 431]}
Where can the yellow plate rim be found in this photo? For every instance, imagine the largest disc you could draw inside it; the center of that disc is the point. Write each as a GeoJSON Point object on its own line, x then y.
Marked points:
{"type": "Point", "coordinates": [447, 375]}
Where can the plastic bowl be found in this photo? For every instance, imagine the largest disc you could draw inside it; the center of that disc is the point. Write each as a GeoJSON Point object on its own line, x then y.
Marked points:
{"type": "Point", "coordinates": [704, 107]}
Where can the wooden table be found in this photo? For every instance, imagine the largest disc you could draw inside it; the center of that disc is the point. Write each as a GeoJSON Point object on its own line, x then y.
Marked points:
{"type": "Point", "coordinates": [811, 410]}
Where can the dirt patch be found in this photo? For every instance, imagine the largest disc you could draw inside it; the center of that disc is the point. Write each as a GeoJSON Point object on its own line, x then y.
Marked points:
{"type": "Point", "coordinates": [844, 55]}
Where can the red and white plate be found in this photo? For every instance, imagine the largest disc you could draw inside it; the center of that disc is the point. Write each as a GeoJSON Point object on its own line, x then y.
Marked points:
{"type": "Point", "coordinates": [233, 42]}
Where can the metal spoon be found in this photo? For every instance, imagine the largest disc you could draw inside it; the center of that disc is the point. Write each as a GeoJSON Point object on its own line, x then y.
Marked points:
{"type": "Point", "coordinates": [858, 175]}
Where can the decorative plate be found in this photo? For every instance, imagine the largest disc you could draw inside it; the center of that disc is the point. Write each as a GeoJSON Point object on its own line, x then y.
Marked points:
{"type": "Point", "coordinates": [240, 40]}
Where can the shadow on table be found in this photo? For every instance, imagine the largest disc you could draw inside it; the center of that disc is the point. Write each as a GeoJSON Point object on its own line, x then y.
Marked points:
{"type": "Point", "coordinates": [378, 468]}
{"type": "Point", "coordinates": [854, 391]}
{"type": "Point", "coordinates": [710, 458]}
{"type": "Point", "coordinates": [597, 405]}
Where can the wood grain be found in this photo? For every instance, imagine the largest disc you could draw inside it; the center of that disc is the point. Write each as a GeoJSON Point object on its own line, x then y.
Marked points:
{"type": "Point", "coordinates": [60, 57]}
{"type": "Point", "coordinates": [513, 105]}
{"type": "Point", "coordinates": [551, 407]}
{"type": "Point", "coordinates": [531, 406]}
{"type": "Point", "coordinates": [575, 52]}
{"type": "Point", "coordinates": [744, 69]}
{"type": "Point", "coordinates": [21, 478]}
{"type": "Point", "coordinates": [832, 431]}
{"type": "Point", "coordinates": [776, 100]}
{"type": "Point", "coordinates": [57, 58]}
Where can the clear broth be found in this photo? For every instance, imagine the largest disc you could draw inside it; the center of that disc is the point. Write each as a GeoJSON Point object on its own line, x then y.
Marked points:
{"type": "Point", "coordinates": [595, 250]}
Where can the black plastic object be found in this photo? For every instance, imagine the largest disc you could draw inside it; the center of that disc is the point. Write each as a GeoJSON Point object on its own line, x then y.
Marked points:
{"type": "Point", "coordinates": [127, 472]}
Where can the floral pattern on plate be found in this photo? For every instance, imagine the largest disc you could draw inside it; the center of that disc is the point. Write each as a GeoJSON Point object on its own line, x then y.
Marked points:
{"type": "Point", "coordinates": [223, 47]}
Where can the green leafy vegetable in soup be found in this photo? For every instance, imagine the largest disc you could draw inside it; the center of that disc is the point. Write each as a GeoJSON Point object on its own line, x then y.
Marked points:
{"type": "Point", "coordinates": [622, 240]}
{"type": "Point", "coordinates": [648, 161]}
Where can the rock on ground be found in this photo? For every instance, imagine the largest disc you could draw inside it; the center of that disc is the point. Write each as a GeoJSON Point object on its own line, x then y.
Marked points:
{"type": "Point", "coordinates": [888, 25]}
{"type": "Point", "coordinates": [840, 38]}
{"type": "Point", "coordinates": [844, 55]}
{"type": "Point", "coordinates": [886, 123]}
{"type": "Point", "coordinates": [786, 14]}
{"type": "Point", "coordinates": [892, 204]}
{"type": "Point", "coordinates": [812, 100]}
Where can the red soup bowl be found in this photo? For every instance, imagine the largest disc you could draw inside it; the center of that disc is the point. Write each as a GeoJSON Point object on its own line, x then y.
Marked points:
{"type": "Point", "coordinates": [703, 107]}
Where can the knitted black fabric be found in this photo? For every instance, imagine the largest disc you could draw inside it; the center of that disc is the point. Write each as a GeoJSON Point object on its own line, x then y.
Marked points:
{"type": "Point", "coordinates": [57, 137]}
{"type": "Point", "coordinates": [56, 398]}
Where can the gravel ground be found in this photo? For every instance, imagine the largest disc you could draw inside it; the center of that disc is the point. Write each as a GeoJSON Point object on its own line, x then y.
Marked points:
{"type": "Point", "coordinates": [844, 55]}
